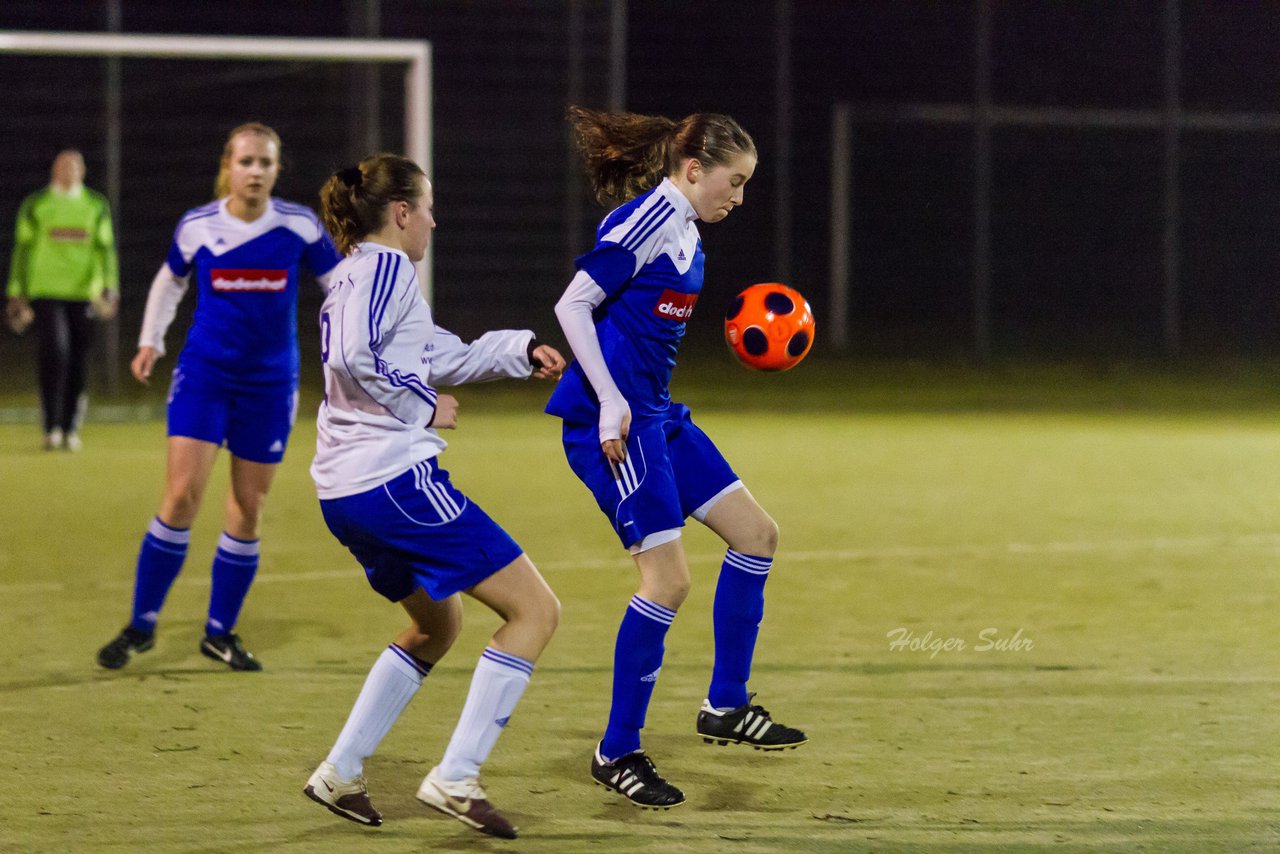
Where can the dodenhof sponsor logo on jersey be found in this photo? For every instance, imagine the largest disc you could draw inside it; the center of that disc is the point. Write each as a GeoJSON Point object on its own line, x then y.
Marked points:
{"type": "Point", "coordinates": [674, 305]}
{"type": "Point", "coordinates": [249, 280]}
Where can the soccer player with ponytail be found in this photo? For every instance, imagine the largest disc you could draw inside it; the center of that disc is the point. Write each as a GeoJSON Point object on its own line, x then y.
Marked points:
{"type": "Point", "coordinates": [385, 497]}
{"type": "Point", "coordinates": [648, 465]}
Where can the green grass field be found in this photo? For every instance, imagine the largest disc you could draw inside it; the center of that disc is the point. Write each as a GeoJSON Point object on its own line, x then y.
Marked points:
{"type": "Point", "coordinates": [1117, 533]}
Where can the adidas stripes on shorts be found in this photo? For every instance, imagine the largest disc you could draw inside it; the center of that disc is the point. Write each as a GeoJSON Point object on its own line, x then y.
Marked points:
{"type": "Point", "coordinates": [417, 530]}
{"type": "Point", "coordinates": [672, 471]}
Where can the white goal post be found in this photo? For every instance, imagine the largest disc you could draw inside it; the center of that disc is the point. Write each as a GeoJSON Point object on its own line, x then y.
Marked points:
{"type": "Point", "coordinates": [415, 54]}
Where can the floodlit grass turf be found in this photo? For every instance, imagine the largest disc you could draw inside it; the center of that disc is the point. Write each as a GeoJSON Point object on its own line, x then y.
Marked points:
{"type": "Point", "coordinates": [1124, 532]}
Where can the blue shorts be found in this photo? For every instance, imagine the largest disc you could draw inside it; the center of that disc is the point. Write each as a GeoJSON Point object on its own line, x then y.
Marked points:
{"type": "Point", "coordinates": [672, 470]}
{"type": "Point", "coordinates": [415, 531]}
{"type": "Point", "coordinates": [254, 425]}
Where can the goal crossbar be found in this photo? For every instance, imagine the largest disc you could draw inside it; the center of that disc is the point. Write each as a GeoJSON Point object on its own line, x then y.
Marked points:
{"type": "Point", "coordinates": [415, 54]}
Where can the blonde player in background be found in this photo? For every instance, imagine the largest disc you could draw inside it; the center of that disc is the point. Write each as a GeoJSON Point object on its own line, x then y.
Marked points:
{"type": "Point", "coordinates": [386, 498]}
{"type": "Point", "coordinates": [236, 382]}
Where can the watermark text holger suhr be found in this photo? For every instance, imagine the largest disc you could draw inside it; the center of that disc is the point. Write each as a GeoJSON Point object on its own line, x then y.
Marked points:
{"type": "Point", "coordinates": [990, 639]}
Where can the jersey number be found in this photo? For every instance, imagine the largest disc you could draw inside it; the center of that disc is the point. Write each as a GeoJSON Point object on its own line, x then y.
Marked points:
{"type": "Point", "coordinates": [325, 326]}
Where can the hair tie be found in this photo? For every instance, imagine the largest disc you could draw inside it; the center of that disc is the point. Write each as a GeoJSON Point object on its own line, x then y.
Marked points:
{"type": "Point", "coordinates": [351, 177]}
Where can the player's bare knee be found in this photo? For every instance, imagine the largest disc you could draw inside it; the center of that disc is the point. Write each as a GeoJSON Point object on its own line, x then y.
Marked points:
{"type": "Point", "coordinates": [180, 507]}
{"type": "Point", "coordinates": [671, 592]}
{"type": "Point", "coordinates": [551, 615]}
{"type": "Point", "coordinates": [767, 533]}
{"type": "Point", "coordinates": [540, 616]}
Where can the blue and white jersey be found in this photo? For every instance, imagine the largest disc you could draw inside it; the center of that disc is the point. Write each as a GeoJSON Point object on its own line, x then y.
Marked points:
{"type": "Point", "coordinates": [648, 261]}
{"type": "Point", "coordinates": [245, 331]}
{"type": "Point", "coordinates": [383, 356]}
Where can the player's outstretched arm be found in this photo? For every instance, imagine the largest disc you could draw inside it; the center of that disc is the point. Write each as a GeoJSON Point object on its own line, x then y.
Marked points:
{"type": "Point", "coordinates": [548, 363]}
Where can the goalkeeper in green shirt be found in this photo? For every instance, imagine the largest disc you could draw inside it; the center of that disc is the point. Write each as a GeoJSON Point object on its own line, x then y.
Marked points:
{"type": "Point", "coordinates": [63, 274]}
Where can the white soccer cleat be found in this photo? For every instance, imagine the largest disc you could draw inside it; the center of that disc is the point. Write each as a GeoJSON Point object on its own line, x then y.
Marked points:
{"type": "Point", "coordinates": [466, 801]}
{"type": "Point", "coordinates": [347, 798]}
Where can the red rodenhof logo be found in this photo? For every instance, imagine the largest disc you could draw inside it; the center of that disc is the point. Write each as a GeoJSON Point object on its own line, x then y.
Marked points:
{"type": "Point", "coordinates": [249, 280]}
{"type": "Point", "coordinates": [674, 305]}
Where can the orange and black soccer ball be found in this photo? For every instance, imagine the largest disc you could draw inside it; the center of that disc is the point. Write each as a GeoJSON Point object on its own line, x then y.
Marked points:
{"type": "Point", "coordinates": [769, 327]}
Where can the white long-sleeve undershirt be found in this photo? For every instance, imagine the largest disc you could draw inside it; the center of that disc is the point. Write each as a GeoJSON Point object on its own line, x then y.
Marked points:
{"type": "Point", "coordinates": [574, 311]}
{"type": "Point", "coordinates": [167, 290]}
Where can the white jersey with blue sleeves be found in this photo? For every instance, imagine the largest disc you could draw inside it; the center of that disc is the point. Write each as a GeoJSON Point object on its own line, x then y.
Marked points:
{"type": "Point", "coordinates": [383, 356]}
{"type": "Point", "coordinates": [648, 261]}
{"type": "Point", "coordinates": [245, 330]}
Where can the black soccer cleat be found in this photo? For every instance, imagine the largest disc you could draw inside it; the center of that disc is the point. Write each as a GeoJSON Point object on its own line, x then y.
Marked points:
{"type": "Point", "coordinates": [746, 724]}
{"type": "Point", "coordinates": [634, 777]}
{"type": "Point", "coordinates": [230, 651]}
{"type": "Point", "coordinates": [116, 654]}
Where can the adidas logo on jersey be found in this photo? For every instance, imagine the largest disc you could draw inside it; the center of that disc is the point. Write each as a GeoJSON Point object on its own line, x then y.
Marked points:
{"type": "Point", "coordinates": [680, 255]}
{"type": "Point", "coordinates": [674, 305]}
{"type": "Point", "coordinates": [277, 446]}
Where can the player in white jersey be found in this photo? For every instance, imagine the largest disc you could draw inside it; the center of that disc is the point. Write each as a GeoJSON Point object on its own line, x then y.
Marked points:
{"type": "Point", "coordinates": [648, 465]}
{"type": "Point", "coordinates": [385, 497]}
{"type": "Point", "coordinates": [235, 383]}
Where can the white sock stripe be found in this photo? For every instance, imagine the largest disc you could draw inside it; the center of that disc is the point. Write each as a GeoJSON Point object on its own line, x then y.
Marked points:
{"type": "Point", "coordinates": [247, 561]}
{"type": "Point", "coordinates": [422, 669]}
{"type": "Point", "coordinates": [161, 531]}
{"type": "Point", "coordinates": [171, 548]}
{"type": "Point", "coordinates": [244, 548]}
{"type": "Point", "coordinates": [652, 610]}
{"type": "Point", "coordinates": [504, 659]}
{"type": "Point", "coordinates": [748, 563]}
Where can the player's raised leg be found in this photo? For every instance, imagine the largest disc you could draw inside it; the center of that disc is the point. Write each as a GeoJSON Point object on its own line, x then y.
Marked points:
{"type": "Point", "coordinates": [727, 715]}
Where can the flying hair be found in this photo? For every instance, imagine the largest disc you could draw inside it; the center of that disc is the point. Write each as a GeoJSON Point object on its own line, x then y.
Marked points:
{"type": "Point", "coordinates": [628, 154]}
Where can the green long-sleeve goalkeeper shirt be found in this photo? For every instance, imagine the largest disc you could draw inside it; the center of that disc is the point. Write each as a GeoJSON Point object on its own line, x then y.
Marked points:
{"type": "Point", "coordinates": [63, 246]}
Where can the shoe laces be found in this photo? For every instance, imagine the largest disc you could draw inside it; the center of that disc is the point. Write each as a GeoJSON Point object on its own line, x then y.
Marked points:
{"type": "Point", "coordinates": [233, 640]}
{"type": "Point", "coordinates": [466, 788]}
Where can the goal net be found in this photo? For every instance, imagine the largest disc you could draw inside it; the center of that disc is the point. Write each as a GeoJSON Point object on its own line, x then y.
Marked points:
{"type": "Point", "coordinates": [151, 113]}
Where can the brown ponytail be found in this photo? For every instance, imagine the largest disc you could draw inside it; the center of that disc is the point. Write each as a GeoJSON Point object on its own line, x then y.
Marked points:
{"type": "Point", "coordinates": [353, 202]}
{"type": "Point", "coordinates": [627, 154]}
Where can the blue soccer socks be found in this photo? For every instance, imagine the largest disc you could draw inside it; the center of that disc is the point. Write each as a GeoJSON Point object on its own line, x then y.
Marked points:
{"type": "Point", "coordinates": [392, 681]}
{"type": "Point", "coordinates": [234, 565]}
{"type": "Point", "coordinates": [159, 562]}
{"type": "Point", "coordinates": [738, 610]}
{"type": "Point", "coordinates": [496, 687]}
{"type": "Point", "coordinates": [637, 661]}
